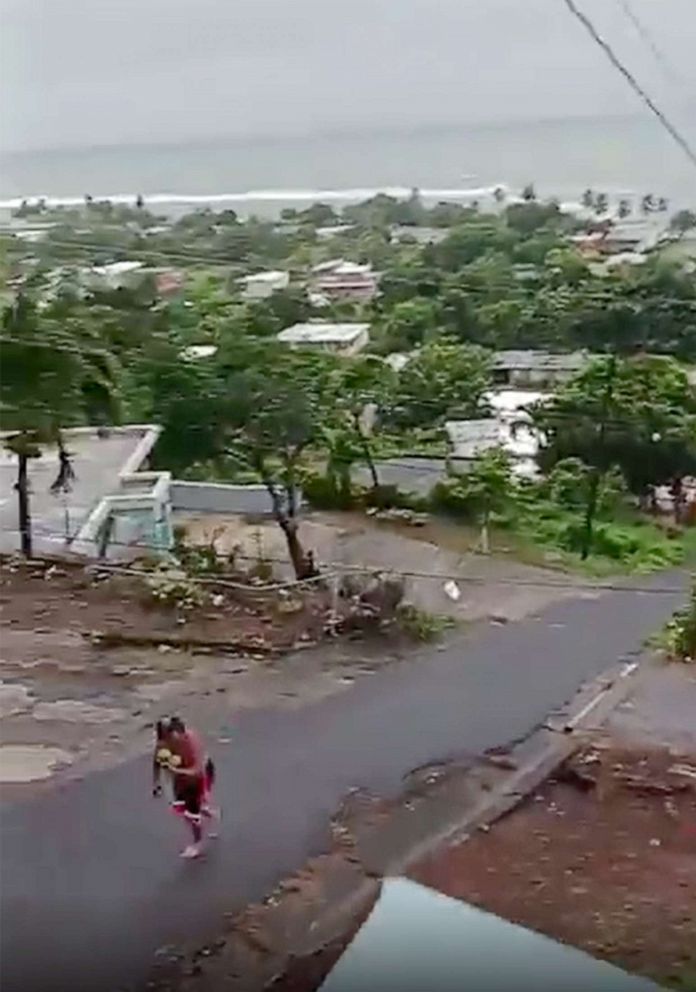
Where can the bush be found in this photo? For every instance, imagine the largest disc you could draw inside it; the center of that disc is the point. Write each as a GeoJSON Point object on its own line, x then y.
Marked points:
{"type": "Point", "coordinates": [681, 632]}
{"type": "Point", "coordinates": [321, 492]}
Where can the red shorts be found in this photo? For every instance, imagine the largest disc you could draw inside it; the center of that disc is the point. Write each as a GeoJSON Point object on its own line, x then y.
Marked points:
{"type": "Point", "coordinates": [191, 794]}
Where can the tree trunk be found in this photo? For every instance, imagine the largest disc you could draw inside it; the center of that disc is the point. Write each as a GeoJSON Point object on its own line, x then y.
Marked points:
{"type": "Point", "coordinates": [366, 452]}
{"type": "Point", "coordinates": [677, 488]}
{"type": "Point", "coordinates": [301, 562]}
{"type": "Point", "coordinates": [485, 534]}
{"type": "Point", "coordinates": [22, 487]}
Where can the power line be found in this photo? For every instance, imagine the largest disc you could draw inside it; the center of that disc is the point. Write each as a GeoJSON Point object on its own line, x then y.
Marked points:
{"type": "Point", "coordinates": [338, 568]}
{"type": "Point", "coordinates": [647, 39]}
{"type": "Point", "coordinates": [631, 80]}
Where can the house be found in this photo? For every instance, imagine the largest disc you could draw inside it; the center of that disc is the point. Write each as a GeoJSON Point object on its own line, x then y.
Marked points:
{"type": "Point", "coordinates": [401, 233]}
{"type": "Point", "coordinates": [115, 275]}
{"type": "Point", "coordinates": [196, 352]}
{"type": "Point", "coordinates": [261, 285]}
{"type": "Point", "coordinates": [116, 507]}
{"type": "Point", "coordinates": [112, 497]}
{"type": "Point", "coordinates": [510, 429]}
{"type": "Point", "coordinates": [333, 231]}
{"type": "Point", "coordinates": [338, 279]}
{"type": "Point", "coordinates": [470, 438]}
{"type": "Point", "coordinates": [341, 339]}
{"type": "Point", "coordinates": [530, 369]}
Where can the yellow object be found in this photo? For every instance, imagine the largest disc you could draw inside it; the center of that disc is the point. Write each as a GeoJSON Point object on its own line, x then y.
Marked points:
{"type": "Point", "coordinates": [174, 761]}
{"type": "Point", "coordinates": [164, 756]}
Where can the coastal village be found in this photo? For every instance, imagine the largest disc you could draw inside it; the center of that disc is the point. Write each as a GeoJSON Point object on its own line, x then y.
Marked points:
{"type": "Point", "coordinates": [395, 501]}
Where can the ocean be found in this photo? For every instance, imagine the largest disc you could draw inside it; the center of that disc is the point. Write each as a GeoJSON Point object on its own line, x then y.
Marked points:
{"type": "Point", "coordinates": [619, 155]}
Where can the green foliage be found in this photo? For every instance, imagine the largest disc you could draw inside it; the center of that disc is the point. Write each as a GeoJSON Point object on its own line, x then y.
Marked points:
{"type": "Point", "coordinates": [420, 625]}
{"type": "Point", "coordinates": [443, 380]}
{"type": "Point", "coordinates": [681, 632]}
{"type": "Point", "coordinates": [649, 413]}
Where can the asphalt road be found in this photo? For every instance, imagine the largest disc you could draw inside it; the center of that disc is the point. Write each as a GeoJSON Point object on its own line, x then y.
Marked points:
{"type": "Point", "coordinates": [91, 883]}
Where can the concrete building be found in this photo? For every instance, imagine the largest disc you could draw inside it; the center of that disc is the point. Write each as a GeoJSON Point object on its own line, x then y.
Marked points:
{"type": "Point", "coordinates": [510, 428]}
{"type": "Point", "coordinates": [115, 507]}
{"type": "Point", "coordinates": [417, 235]}
{"type": "Point", "coordinates": [113, 496]}
{"type": "Point", "coordinates": [115, 275]}
{"type": "Point", "coordinates": [342, 339]}
{"type": "Point", "coordinates": [341, 280]}
{"type": "Point", "coordinates": [532, 369]}
{"type": "Point", "coordinates": [261, 285]}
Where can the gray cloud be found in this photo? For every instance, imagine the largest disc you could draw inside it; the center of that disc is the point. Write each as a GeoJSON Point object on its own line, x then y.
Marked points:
{"type": "Point", "coordinates": [77, 72]}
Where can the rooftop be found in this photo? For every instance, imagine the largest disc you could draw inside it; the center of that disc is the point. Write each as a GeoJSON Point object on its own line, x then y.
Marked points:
{"type": "Point", "coordinates": [271, 276]}
{"type": "Point", "coordinates": [322, 333]}
{"type": "Point", "coordinates": [470, 438]}
{"type": "Point", "coordinates": [541, 361]}
{"type": "Point", "coordinates": [100, 458]}
{"type": "Point", "coordinates": [116, 268]}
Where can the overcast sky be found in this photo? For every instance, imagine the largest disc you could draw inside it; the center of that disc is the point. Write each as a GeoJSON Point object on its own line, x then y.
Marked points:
{"type": "Point", "coordinates": [86, 72]}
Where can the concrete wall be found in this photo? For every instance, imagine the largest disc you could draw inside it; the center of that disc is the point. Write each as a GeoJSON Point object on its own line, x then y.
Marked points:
{"type": "Point", "coordinates": [211, 497]}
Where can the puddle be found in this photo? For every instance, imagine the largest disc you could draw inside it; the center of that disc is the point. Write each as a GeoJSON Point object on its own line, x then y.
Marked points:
{"type": "Point", "coordinates": [30, 762]}
{"type": "Point", "coordinates": [14, 699]}
{"type": "Point", "coordinates": [417, 939]}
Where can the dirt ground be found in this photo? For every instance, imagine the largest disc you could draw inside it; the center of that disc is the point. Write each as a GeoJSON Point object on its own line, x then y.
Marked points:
{"type": "Point", "coordinates": [603, 857]}
{"type": "Point", "coordinates": [75, 698]}
{"type": "Point", "coordinates": [489, 585]}
{"type": "Point", "coordinates": [40, 598]}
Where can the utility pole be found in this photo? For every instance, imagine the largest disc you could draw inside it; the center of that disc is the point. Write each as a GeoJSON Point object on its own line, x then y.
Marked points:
{"type": "Point", "coordinates": [598, 471]}
{"type": "Point", "coordinates": [22, 487]}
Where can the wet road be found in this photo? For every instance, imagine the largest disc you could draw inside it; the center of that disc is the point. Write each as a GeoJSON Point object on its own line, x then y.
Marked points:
{"type": "Point", "coordinates": [91, 885]}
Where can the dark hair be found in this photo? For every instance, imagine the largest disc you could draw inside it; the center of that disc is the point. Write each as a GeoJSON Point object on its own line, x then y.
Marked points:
{"type": "Point", "coordinates": [171, 724]}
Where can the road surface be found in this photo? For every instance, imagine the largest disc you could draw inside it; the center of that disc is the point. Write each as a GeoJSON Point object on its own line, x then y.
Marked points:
{"type": "Point", "coordinates": [91, 881]}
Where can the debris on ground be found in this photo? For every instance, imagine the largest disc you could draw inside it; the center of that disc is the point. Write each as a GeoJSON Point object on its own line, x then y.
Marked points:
{"type": "Point", "coordinates": [602, 857]}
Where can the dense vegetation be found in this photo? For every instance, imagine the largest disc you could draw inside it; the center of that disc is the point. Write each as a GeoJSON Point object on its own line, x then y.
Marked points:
{"type": "Point", "coordinates": [255, 411]}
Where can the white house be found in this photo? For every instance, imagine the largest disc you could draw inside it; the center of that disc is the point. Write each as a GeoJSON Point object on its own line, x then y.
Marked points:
{"type": "Point", "coordinates": [261, 285]}
{"type": "Point", "coordinates": [338, 279]}
{"type": "Point", "coordinates": [342, 339]}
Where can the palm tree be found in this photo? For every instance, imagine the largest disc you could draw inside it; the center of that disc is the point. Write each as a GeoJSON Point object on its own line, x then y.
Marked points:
{"type": "Point", "coordinates": [588, 198]}
{"type": "Point", "coordinates": [624, 209]}
{"type": "Point", "coordinates": [499, 194]}
{"type": "Point", "coordinates": [647, 204]}
{"type": "Point", "coordinates": [529, 193]}
{"type": "Point", "coordinates": [601, 203]}
{"type": "Point", "coordinates": [663, 205]}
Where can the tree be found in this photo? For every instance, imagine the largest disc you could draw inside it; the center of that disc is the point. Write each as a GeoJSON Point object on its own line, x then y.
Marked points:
{"type": "Point", "coordinates": [601, 203]}
{"type": "Point", "coordinates": [44, 372]}
{"type": "Point", "coordinates": [683, 221]}
{"type": "Point", "coordinates": [647, 203]}
{"type": "Point", "coordinates": [485, 489]}
{"type": "Point", "coordinates": [444, 379]}
{"type": "Point", "coordinates": [662, 205]}
{"type": "Point", "coordinates": [636, 413]}
{"type": "Point", "coordinates": [528, 217]}
{"type": "Point", "coordinates": [529, 193]}
{"type": "Point", "coordinates": [588, 199]}
{"type": "Point", "coordinates": [274, 412]}
{"type": "Point", "coordinates": [364, 386]}
{"type": "Point", "coordinates": [623, 209]}
{"type": "Point", "coordinates": [406, 325]}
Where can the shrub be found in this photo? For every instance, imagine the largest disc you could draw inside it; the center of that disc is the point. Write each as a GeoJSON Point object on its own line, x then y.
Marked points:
{"type": "Point", "coordinates": [681, 632]}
